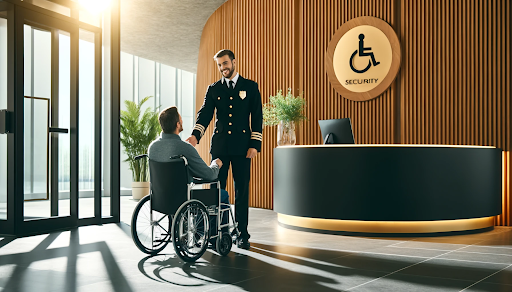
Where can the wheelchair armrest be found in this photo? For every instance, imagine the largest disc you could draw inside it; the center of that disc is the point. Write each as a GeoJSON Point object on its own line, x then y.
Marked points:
{"type": "Point", "coordinates": [198, 181]}
{"type": "Point", "coordinates": [140, 156]}
{"type": "Point", "coordinates": [179, 157]}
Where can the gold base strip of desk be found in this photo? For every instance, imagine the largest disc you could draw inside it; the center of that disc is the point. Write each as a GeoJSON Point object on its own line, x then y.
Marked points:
{"type": "Point", "coordinates": [387, 226]}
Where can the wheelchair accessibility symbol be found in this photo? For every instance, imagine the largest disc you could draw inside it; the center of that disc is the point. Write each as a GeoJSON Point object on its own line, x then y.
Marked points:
{"type": "Point", "coordinates": [362, 53]}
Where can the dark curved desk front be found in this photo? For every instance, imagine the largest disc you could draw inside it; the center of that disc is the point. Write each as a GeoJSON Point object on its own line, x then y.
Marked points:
{"type": "Point", "coordinates": [387, 188]}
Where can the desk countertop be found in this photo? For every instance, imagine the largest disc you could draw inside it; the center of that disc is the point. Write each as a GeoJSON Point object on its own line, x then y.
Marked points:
{"type": "Point", "coordinates": [385, 145]}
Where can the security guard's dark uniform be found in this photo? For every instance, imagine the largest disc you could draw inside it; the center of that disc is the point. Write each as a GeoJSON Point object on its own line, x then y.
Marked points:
{"type": "Point", "coordinates": [238, 127]}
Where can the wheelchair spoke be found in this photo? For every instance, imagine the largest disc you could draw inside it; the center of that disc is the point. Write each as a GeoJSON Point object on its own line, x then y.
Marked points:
{"type": "Point", "coordinates": [145, 211]}
{"type": "Point", "coordinates": [143, 231]}
{"type": "Point", "coordinates": [198, 237]}
{"type": "Point", "coordinates": [145, 217]}
{"type": "Point", "coordinates": [198, 221]}
{"type": "Point", "coordinates": [145, 240]}
{"type": "Point", "coordinates": [143, 228]}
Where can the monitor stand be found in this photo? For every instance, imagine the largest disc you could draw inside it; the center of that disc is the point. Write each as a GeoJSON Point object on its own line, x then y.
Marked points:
{"type": "Point", "coordinates": [329, 139]}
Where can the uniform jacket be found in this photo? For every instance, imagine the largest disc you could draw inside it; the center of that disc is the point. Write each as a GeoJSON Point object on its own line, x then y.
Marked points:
{"type": "Point", "coordinates": [238, 120]}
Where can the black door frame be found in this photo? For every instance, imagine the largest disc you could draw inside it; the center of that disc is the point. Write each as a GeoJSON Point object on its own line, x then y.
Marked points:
{"type": "Point", "coordinates": [7, 226]}
{"type": "Point", "coordinates": [19, 13]}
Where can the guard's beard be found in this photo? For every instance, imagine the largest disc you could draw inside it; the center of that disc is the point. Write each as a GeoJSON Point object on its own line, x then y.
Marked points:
{"type": "Point", "coordinates": [230, 73]}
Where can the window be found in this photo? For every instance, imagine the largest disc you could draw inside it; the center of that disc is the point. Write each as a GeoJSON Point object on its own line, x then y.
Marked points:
{"type": "Point", "coordinates": [167, 85]}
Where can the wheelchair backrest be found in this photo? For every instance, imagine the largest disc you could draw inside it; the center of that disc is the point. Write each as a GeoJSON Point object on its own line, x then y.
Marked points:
{"type": "Point", "coordinates": [169, 181]}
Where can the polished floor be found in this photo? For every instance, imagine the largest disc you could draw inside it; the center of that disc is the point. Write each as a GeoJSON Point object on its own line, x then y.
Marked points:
{"type": "Point", "coordinates": [104, 258]}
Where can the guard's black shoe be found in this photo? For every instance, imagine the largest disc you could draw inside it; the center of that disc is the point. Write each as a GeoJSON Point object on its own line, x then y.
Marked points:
{"type": "Point", "coordinates": [243, 243]}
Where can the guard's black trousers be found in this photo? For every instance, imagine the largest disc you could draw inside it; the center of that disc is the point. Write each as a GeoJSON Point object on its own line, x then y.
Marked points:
{"type": "Point", "coordinates": [241, 176]}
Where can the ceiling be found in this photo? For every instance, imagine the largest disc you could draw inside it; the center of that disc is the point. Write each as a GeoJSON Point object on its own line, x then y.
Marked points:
{"type": "Point", "coordinates": [166, 31]}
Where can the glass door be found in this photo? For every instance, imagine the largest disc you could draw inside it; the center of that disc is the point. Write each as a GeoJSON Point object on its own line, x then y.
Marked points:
{"type": "Point", "coordinates": [6, 108]}
{"type": "Point", "coordinates": [48, 110]}
{"type": "Point", "coordinates": [58, 138]}
{"type": "Point", "coordinates": [46, 123]}
{"type": "Point", "coordinates": [3, 106]}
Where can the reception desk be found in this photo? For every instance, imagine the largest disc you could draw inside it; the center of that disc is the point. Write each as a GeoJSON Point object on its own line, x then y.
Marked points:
{"type": "Point", "coordinates": [387, 189]}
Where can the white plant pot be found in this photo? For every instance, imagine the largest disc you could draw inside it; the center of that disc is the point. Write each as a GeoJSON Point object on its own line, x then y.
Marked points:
{"type": "Point", "coordinates": [140, 190]}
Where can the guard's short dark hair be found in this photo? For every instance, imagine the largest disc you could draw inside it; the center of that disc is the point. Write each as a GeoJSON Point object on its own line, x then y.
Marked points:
{"type": "Point", "coordinates": [223, 53]}
{"type": "Point", "coordinates": [168, 119]}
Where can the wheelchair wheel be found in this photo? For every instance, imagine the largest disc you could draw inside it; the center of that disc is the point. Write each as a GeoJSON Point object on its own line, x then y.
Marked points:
{"type": "Point", "coordinates": [150, 236]}
{"type": "Point", "coordinates": [223, 244]}
{"type": "Point", "coordinates": [190, 230]}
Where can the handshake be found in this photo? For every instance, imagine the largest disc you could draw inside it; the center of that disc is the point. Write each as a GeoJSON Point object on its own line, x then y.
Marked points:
{"type": "Point", "coordinates": [218, 161]}
{"type": "Point", "coordinates": [193, 140]}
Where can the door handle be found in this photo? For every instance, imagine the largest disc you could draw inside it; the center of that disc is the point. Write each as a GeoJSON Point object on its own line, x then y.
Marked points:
{"type": "Point", "coordinates": [58, 130]}
{"type": "Point", "coordinates": [5, 122]}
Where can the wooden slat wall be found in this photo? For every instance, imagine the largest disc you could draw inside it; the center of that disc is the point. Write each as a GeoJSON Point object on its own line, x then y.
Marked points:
{"type": "Point", "coordinates": [453, 87]}
{"type": "Point", "coordinates": [372, 121]}
{"type": "Point", "coordinates": [455, 77]}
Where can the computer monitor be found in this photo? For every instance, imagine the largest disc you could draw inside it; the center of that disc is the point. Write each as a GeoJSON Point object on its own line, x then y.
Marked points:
{"type": "Point", "coordinates": [336, 131]}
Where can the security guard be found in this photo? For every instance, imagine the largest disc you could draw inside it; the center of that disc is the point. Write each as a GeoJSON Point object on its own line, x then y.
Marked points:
{"type": "Point", "coordinates": [237, 135]}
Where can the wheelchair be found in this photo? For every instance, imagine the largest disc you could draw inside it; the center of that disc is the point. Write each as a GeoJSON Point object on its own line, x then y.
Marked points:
{"type": "Point", "coordinates": [174, 211]}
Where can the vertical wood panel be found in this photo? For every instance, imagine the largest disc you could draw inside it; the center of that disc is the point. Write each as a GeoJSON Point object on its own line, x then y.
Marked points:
{"type": "Point", "coordinates": [453, 87]}
{"type": "Point", "coordinates": [455, 76]}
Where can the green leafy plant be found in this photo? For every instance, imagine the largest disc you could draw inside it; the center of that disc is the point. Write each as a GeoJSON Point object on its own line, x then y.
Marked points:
{"type": "Point", "coordinates": [283, 108]}
{"type": "Point", "coordinates": [137, 132]}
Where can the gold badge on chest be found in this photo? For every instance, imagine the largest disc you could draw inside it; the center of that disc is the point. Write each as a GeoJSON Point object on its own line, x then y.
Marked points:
{"type": "Point", "coordinates": [243, 94]}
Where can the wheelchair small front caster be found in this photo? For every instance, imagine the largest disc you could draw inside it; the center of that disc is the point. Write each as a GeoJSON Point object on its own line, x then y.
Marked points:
{"type": "Point", "coordinates": [223, 244]}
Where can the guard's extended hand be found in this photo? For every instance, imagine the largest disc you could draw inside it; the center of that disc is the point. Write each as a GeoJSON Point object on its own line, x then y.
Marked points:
{"type": "Point", "coordinates": [251, 153]}
{"type": "Point", "coordinates": [192, 140]}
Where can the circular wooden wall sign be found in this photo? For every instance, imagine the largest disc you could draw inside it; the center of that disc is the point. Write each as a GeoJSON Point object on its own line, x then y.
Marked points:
{"type": "Point", "coordinates": [363, 58]}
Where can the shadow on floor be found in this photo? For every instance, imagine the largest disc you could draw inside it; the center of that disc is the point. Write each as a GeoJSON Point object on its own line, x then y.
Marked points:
{"type": "Point", "coordinates": [18, 279]}
{"type": "Point", "coordinates": [280, 268]}
{"type": "Point", "coordinates": [265, 267]}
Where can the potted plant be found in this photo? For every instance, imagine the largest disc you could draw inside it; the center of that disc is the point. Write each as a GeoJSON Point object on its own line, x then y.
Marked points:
{"type": "Point", "coordinates": [285, 112]}
{"type": "Point", "coordinates": [137, 132]}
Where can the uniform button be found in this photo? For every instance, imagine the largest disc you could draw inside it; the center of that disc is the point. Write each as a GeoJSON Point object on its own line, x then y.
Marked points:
{"type": "Point", "coordinates": [217, 131]}
{"type": "Point", "coordinates": [229, 132]}
{"type": "Point", "coordinates": [230, 115]}
{"type": "Point", "coordinates": [218, 98]}
{"type": "Point", "coordinates": [230, 106]}
{"type": "Point", "coordinates": [231, 97]}
{"type": "Point", "coordinates": [230, 124]}
{"type": "Point", "coordinates": [244, 131]}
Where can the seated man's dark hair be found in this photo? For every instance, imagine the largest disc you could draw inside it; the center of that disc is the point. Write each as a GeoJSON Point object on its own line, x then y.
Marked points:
{"type": "Point", "coordinates": [168, 119]}
{"type": "Point", "coordinates": [223, 53]}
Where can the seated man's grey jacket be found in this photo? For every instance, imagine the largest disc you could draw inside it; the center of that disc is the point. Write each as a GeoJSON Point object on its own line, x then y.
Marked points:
{"type": "Point", "coordinates": [168, 145]}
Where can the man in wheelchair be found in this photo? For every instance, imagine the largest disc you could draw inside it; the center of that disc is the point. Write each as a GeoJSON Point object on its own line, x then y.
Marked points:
{"type": "Point", "coordinates": [169, 144]}
{"type": "Point", "coordinates": [175, 210]}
